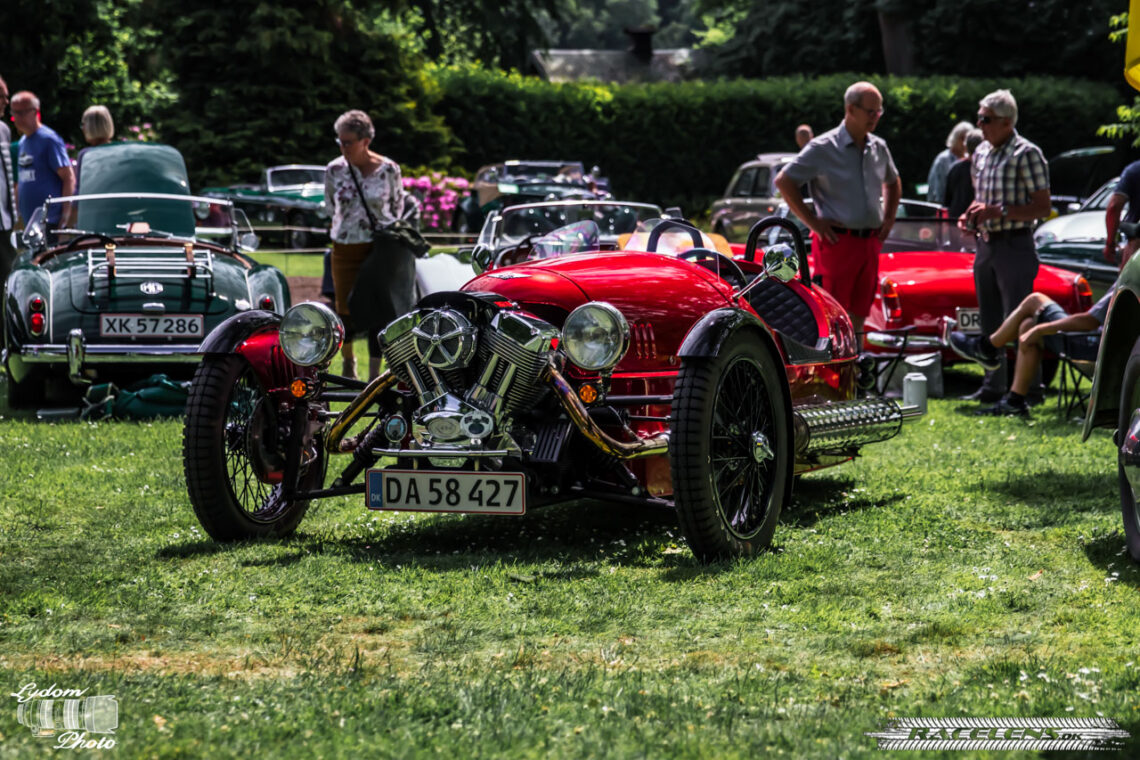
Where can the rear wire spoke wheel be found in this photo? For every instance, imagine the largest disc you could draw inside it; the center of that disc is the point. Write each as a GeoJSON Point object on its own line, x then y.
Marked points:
{"type": "Point", "coordinates": [1129, 403]}
{"type": "Point", "coordinates": [731, 449]}
{"type": "Point", "coordinates": [233, 443]}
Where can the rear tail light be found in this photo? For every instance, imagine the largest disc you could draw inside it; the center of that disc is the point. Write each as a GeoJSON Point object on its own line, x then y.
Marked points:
{"type": "Point", "coordinates": [37, 322]}
{"type": "Point", "coordinates": [1083, 293]}
{"type": "Point", "coordinates": [267, 303]}
{"type": "Point", "coordinates": [892, 305]}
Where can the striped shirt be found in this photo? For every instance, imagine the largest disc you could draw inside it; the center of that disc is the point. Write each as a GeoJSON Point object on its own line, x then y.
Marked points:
{"type": "Point", "coordinates": [1009, 174]}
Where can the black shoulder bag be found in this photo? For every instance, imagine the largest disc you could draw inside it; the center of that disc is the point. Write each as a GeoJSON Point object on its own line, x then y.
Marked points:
{"type": "Point", "coordinates": [385, 286]}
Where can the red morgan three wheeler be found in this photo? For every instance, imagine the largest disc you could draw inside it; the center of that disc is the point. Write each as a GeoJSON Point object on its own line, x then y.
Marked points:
{"type": "Point", "coordinates": [602, 352]}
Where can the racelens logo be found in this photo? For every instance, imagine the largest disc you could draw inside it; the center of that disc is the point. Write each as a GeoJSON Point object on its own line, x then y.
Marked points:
{"type": "Point", "coordinates": [1035, 734]}
{"type": "Point", "coordinates": [67, 716]}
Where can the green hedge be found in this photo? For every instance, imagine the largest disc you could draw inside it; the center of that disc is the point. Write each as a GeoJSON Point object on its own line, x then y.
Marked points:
{"type": "Point", "coordinates": [678, 144]}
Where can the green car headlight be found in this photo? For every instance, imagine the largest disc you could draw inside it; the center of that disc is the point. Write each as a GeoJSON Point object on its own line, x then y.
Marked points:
{"type": "Point", "coordinates": [595, 336]}
{"type": "Point", "coordinates": [310, 334]}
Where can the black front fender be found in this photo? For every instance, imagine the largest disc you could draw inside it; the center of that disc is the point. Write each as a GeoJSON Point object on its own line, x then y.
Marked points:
{"type": "Point", "coordinates": [226, 337]}
{"type": "Point", "coordinates": [705, 338]}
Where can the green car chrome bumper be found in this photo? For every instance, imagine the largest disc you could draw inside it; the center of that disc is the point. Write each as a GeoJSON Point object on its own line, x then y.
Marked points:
{"type": "Point", "coordinates": [78, 355]}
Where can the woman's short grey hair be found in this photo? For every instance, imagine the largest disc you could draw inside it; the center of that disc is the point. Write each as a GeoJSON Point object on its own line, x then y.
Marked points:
{"type": "Point", "coordinates": [97, 123]}
{"type": "Point", "coordinates": [356, 122]}
{"type": "Point", "coordinates": [1002, 103]}
{"type": "Point", "coordinates": [973, 139]}
{"type": "Point", "coordinates": [958, 133]}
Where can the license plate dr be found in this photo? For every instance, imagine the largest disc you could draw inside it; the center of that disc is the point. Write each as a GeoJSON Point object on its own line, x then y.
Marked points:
{"type": "Point", "coordinates": [484, 493]}
{"type": "Point", "coordinates": [969, 320]}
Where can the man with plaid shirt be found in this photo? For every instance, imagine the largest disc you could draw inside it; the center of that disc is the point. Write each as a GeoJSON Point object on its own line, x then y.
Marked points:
{"type": "Point", "coordinates": [1012, 193]}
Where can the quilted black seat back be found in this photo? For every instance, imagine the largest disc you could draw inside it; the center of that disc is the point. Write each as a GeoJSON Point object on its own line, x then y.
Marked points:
{"type": "Point", "coordinates": [784, 311]}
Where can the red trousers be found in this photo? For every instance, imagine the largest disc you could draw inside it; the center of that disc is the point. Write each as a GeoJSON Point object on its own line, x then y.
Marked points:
{"type": "Point", "coordinates": [849, 270]}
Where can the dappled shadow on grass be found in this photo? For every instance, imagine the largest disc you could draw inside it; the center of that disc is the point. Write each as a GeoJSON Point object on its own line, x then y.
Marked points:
{"type": "Point", "coordinates": [1108, 552]}
{"type": "Point", "coordinates": [819, 497]}
{"type": "Point", "coordinates": [618, 534]}
{"type": "Point", "coordinates": [1052, 490]}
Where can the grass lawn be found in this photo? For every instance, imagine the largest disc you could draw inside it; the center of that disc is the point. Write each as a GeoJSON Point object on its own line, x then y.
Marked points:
{"type": "Point", "coordinates": [970, 567]}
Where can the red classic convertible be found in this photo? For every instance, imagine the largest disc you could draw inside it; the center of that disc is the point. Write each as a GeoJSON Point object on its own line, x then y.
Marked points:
{"type": "Point", "coordinates": [926, 287]}
{"type": "Point", "coordinates": [926, 283]}
{"type": "Point", "coordinates": [566, 369]}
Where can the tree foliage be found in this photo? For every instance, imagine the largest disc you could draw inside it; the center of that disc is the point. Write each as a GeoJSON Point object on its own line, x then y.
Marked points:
{"type": "Point", "coordinates": [79, 53]}
{"type": "Point", "coordinates": [262, 83]}
{"type": "Point", "coordinates": [970, 38]}
{"type": "Point", "coordinates": [497, 33]}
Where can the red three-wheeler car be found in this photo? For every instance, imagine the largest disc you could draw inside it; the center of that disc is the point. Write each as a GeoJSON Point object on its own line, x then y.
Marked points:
{"type": "Point", "coordinates": [603, 351]}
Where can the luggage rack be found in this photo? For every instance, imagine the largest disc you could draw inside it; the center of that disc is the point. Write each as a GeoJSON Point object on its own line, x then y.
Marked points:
{"type": "Point", "coordinates": [197, 264]}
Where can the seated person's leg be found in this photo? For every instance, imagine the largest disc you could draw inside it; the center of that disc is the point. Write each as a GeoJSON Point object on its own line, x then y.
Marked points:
{"type": "Point", "coordinates": [1013, 325]}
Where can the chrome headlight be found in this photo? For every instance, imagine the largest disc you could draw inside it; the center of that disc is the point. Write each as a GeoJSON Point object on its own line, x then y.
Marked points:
{"type": "Point", "coordinates": [595, 336]}
{"type": "Point", "coordinates": [1042, 237]}
{"type": "Point", "coordinates": [310, 334]}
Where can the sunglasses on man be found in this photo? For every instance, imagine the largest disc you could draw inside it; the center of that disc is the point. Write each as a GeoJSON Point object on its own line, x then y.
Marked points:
{"type": "Point", "coordinates": [989, 119]}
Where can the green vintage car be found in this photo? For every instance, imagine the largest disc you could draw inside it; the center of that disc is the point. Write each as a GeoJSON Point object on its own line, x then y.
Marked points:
{"type": "Point", "coordinates": [1115, 399]}
{"type": "Point", "coordinates": [287, 206]}
{"type": "Point", "coordinates": [132, 279]}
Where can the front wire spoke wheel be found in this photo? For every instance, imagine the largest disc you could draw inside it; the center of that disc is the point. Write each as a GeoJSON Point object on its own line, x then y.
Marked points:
{"type": "Point", "coordinates": [233, 452]}
{"type": "Point", "coordinates": [731, 452]}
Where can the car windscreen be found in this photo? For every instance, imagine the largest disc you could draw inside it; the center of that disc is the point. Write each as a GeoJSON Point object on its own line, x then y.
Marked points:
{"type": "Point", "coordinates": [516, 223]}
{"type": "Point", "coordinates": [916, 234]}
{"type": "Point", "coordinates": [119, 215]}
{"type": "Point", "coordinates": [293, 177]}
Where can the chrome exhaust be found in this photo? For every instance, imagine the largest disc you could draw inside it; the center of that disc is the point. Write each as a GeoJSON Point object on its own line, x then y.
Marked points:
{"type": "Point", "coordinates": [845, 425]}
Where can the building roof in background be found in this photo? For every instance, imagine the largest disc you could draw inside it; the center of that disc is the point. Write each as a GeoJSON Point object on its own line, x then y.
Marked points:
{"type": "Point", "coordinates": [617, 66]}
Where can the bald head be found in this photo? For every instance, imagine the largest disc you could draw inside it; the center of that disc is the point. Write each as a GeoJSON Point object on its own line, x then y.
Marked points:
{"type": "Point", "coordinates": [863, 105]}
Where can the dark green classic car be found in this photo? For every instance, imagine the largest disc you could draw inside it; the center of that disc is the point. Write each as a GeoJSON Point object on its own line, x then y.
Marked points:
{"type": "Point", "coordinates": [1115, 399]}
{"type": "Point", "coordinates": [132, 279]}
{"type": "Point", "coordinates": [288, 205]}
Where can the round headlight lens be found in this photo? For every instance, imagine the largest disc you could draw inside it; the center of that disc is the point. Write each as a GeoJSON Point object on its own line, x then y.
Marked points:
{"type": "Point", "coordinates": [310, 334]}
{"type": "Point", "coordinates": [595, 336]}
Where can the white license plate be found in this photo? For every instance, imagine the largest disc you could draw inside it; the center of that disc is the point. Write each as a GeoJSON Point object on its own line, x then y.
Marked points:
{"type": "Point", "coordinates": [150, 326]}
{"type": "Point", "coordinates": [483, 493]}
{"type": "Point", "coordinates": [969, 320]}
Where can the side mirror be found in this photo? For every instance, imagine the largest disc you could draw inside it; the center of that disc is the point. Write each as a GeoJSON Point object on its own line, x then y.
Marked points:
{"type": "Point", "coordinates": [481, 258]}
{"type": "Point", "coordinates": [1072, 208]}
{"type": "Point", "coordinates": [781, 262]}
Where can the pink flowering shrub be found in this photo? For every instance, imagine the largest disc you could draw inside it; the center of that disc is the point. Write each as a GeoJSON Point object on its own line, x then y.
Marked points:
{"type": "Point", "coordinates": [439, 196]}
{"type": "Point", "coordinates": [144, 132]}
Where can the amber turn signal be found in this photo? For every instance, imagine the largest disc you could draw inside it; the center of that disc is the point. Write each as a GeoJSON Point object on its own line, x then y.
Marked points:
{"type": "Point", "coordinates": [299, 387]}
{"type": "Point", "coordinates": [588, 394]}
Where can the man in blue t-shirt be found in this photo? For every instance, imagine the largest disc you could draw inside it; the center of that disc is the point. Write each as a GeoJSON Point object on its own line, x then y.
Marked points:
{"type": "Point", "coordinates": [44, 170]}
{"type": "Point", "coordinates": [1127, 191]}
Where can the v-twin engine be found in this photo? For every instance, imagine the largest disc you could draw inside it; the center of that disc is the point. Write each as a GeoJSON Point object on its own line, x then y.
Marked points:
{"type": "Point", "coordinates": [470, 376]}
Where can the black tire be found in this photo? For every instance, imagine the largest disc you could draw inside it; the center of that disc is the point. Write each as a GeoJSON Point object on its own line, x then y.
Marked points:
{"type": "Point", "coordinates": [230, 436]}
{"type": "Point", "coordinates": [297, 238]}
{"type": "Point", "coordinates": [1129, 402]}
{"type": "Point", "coordinates": [729, 495]}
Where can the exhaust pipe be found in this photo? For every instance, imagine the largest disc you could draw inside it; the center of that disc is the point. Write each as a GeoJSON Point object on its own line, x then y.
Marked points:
{"type": "Point", "coordinates": [841, 426]}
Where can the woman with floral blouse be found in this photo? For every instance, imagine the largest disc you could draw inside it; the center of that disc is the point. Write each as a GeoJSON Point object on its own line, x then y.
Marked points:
{"type": "Point", "coordinates": [351, 230]}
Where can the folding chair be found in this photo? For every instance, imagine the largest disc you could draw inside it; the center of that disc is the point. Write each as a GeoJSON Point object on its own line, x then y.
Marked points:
{"type": "Point", "coordinates": [1077, 364]}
